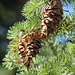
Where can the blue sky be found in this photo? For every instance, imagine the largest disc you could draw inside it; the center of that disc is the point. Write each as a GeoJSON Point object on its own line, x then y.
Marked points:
{"type": "Point", "coordinates": [69, 7]}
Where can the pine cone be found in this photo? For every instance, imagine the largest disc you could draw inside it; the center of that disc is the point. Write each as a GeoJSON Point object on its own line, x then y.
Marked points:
{"type": "Point", "coordinates": [52, 15]}
{"type": "Point", "coordinates": [28, 48]}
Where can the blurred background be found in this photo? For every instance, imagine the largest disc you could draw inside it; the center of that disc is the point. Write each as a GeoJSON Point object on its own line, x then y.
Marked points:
{"type": "Point", "coordinates": [10, 12]}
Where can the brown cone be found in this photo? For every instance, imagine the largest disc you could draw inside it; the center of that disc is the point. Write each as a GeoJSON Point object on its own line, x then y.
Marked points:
{"type": "Point", "coordinates": [28, 48]}
{"type": "Point", "coordinates": [52, 16]}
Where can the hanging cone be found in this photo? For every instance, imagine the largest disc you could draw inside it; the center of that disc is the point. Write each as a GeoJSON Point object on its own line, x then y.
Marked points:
{"type": "Point", "coordinates": [51, 17]}
{"type": "Point", "coordinates": [28, 48]}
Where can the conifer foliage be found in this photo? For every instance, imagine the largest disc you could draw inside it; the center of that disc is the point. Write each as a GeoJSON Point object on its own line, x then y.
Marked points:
{"type": "Point", "coordinates": [35, 38]}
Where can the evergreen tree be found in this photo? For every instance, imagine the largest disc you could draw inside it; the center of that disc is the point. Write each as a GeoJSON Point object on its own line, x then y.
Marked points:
{"type": "Point", "coordinates": [29, 40]}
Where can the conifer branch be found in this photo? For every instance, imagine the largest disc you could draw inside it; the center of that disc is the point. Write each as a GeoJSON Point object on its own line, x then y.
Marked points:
{"type": "Point", "coordinates": [27, 37]}
{"type": "Point", "coordinates": [31, 7]}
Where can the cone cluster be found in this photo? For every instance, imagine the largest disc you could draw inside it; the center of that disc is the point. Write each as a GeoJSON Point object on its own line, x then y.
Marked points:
{"type": "Point", "coordinates": [51, 17]}
{"type": "Point", "coordinates": [28, 48]}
